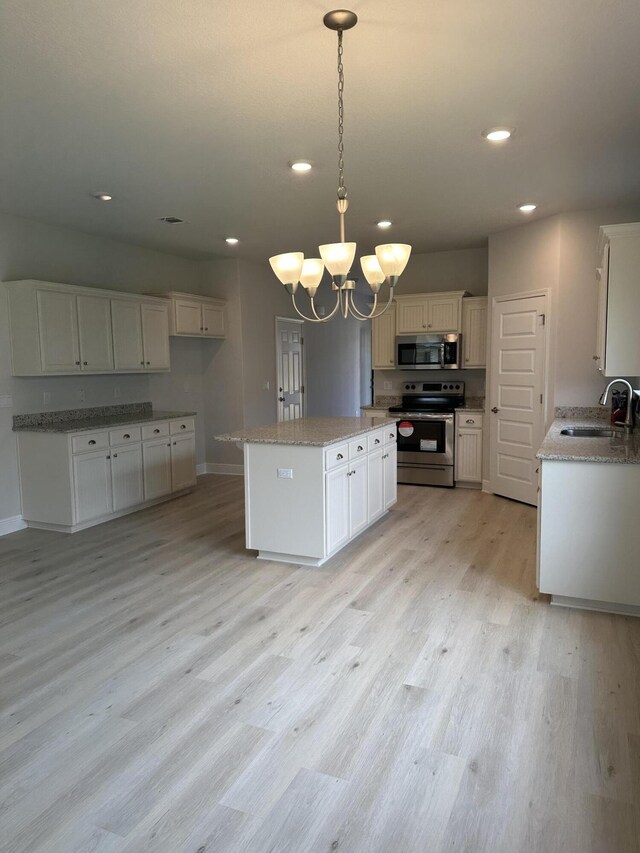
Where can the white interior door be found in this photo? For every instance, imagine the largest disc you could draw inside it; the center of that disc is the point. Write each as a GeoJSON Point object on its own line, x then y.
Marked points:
{"type": "Point", "coordinates": [516, 405]}
{"type": "Point", "coordinates": [290, 369]}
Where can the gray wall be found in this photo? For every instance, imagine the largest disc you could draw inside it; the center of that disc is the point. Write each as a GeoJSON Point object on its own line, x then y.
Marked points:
{"type": "Point", "coordinates": [464, 269]}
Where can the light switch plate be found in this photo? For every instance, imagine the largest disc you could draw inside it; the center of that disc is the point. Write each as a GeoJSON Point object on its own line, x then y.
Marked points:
{"type": "Point", "coordinates": [285, 473]}
{"type": "Point", "coordinates": [6, 401]}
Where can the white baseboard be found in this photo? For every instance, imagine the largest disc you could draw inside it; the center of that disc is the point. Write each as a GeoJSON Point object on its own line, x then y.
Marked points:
{"type": "Point", "coordinates": [486, 487]}
{"type": "Point", "coordinates": [220, 468]}
{"type": "Point", "coordinates": [10, 525]}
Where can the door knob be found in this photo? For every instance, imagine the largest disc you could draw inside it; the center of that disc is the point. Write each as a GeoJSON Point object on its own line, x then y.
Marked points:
{"type": "Point", "coordinates": [495, 410]}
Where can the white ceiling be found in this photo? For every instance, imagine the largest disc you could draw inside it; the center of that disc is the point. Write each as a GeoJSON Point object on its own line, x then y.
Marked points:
{"type": "Point", "coordinates": [192, 108]}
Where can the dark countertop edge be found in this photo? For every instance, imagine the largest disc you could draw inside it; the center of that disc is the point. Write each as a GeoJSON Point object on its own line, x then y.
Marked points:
{"type": "Point", "coordinates": [238, 439]}
{"type": "Point", "coordinates": [550, 452]}
{"type": "Point", "coordinates": [105, 423]}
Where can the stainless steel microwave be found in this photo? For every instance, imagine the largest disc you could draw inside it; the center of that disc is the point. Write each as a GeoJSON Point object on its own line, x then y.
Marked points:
{"type": "Point", "coordinates": [429, 352]}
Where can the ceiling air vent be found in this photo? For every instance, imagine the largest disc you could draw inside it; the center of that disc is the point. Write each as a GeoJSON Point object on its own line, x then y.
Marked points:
{"type": "Point", "coordinates": [171, 220]}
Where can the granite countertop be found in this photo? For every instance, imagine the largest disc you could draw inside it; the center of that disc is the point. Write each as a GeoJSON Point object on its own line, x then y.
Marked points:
{"type": "Point", "coordinates": [98, 421]}
{"type": "Point", "coordinates": [622, 447]}
{"type": "Point", "coordinates": [308, 432]}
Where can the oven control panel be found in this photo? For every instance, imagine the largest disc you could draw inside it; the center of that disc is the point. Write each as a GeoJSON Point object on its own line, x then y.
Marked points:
{"type": "Point", "coordinates": [435, 387]}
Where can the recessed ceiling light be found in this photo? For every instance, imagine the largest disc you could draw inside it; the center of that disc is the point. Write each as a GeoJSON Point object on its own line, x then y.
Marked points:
{"type": "Point", "coordinates": [528, 207]}
{"type": "Point", "coordinates": [385, 223]}
{"type": "Point", "coordinates": [301, 165]}
{"type": "Point", "coordinates": [497, 134]}
{"type": "Point", "coordinates": [231, 240]}
{"type": "Point", "coordinates": [102, 196]}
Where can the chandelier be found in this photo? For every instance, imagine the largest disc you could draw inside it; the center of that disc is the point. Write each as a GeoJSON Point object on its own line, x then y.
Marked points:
{"type": "Point", "coordinates": [390, 259]}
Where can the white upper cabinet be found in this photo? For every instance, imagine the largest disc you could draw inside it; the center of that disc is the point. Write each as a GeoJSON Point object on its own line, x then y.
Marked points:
{"type": "Point", "coordinates": [155, 335]}
{"type": "Point", "coordinates": [617, 339]}
{"type": "Point", "coordinates": [57, 315]}
{"type": "Point", "coordinates": [126, 319]}
{"type": "Point", "coordinates": [195, 316]}
{"type": "Point", "coordinates": [429, 313]}
{"type": "Point", "coordinates": [94, 330]}
{"type": "Point", "coordinates": [383, 340]}
{"type": "Point", "coordinates": [474, 331]}
{"type": "Point", "coordinates": [61, 328]}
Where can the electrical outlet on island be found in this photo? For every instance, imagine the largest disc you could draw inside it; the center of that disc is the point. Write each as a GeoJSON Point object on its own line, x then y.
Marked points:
{"type": "Point", "coordinates": [81, 395]}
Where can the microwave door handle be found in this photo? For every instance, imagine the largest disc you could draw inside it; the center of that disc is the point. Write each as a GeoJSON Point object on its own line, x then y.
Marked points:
{"type": "Point", "coordinates": [441, 346]}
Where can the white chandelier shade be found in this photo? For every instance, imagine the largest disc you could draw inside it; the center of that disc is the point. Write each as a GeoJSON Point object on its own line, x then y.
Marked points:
{"type": "Point", "coordinates": [311, 275]}
{"type": "Point", "coordinates": [372, 269]}
{"type": "Point", "coordinates": [338, 257]}
{"type": "Point", "coordinates": [288, 267]}
{"type": "Point", "coordinates": [393, 258]}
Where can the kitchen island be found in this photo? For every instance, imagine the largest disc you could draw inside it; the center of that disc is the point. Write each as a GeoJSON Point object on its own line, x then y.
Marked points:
{"type": "Point", "coordinates": [314, 484]}
{"type": "Point", "coordinates": [588, 530]}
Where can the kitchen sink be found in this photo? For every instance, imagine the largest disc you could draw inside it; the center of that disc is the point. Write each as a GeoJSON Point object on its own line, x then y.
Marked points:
{"type": "Point", "coordinates": [588, 432]}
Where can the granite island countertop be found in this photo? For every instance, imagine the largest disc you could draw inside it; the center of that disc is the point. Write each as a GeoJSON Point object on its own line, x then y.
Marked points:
{"type": "Point", "coordinates": [307, 432]}
{"type": "Point", "coordinates": [85, 420]}
{"type": "Point", "coordinates": [620, 448]}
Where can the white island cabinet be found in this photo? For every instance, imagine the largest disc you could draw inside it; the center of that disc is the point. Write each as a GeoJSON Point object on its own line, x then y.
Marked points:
{"type": "Point", "coordinates": [314, 484]}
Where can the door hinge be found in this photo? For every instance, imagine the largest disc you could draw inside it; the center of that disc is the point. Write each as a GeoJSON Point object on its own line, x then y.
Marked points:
{"type": "Point", "coordinates": [543, 318]}
{"type": "Point", "coordinates": [302, 389]}
{"type": "Point", "coordinates": [541, 398]}
{"type": "Point", "coordinates": [301, 341]}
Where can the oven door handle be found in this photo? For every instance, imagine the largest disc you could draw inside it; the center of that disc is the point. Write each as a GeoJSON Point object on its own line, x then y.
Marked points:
{"type": "Point", "coordinates": [428, 416]}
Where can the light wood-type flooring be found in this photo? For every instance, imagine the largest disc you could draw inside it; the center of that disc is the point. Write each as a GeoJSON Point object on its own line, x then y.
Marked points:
{"type": "Point", "coordinates": [162, 690]}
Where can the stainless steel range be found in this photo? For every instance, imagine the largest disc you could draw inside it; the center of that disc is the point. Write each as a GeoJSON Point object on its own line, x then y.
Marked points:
{"type": "Point", "coordinates": [426, 432]}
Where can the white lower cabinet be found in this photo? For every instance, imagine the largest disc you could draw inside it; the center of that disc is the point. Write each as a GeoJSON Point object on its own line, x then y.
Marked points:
{"type": "Point", "coordinates": [337, 498]}
{"type": "Point", "coordinates": [183, 452]}
{"type": "Point", "coordinates": [468, 448]}
{"type": "Point", "coordinates": [376, 471]}
{"type": "Point", "coordinates": [71, 481]}
{"type": "Point", "coordinates": [92, 485]}
{"type": "Point", "coordinates": [156, 455]}
{"type": "Point", "coordinates": [390, 460]}
{"type": "Point", "coordinates": [127, 483]}
{"type": "Point", "coordinates": [358, 496]}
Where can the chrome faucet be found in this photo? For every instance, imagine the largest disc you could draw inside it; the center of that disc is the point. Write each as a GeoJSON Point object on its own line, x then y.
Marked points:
{"type": "Point", "coordinates": [629, 419]}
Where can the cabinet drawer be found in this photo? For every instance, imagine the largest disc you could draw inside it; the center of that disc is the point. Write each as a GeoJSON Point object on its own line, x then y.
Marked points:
{"type": "Point", "coordinates": [336, 455]}
{"type": "Point", "coordinates": [124, 435]}
{"type": "Point", "coordinates": [358, 447]}
{"type": "Point", "coordinates": [90, 441]}
{"type": "Point", "coordinates": [470, 420]}
{"type": "Point", "coordinates": [156, 430]}
{"type": "Point", "coordinates": [375, 440]}
{"type": "Point", "coordinates": [186, 425]}
{"type": "Point", "coordinates": [390, 433]}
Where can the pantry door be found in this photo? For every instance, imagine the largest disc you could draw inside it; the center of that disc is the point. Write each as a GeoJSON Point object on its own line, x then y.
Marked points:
{"type": "Point", "coordinates": [516, 407]}
{"type": "Point", "coordinates": [290, 368]}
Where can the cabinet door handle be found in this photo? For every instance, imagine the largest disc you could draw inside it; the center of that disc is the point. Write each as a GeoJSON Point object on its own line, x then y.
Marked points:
{"type": "Point", "coordinates": [84, 362]}
{"type": "Point", "coordinates": [206, 328]}
{"type": "Point", "coordinates": [142, 363]}
{"type": "Point", "coordinates": [169, 445]}
{"type": "Point", "coordinates": [126, 435]}
{"type": "Point", "coordinates": [115, 455]}
{"type": "Point", "coordinates": [77, 362]}
{"type": "Point", "coordinates": [495, 410]}
{"type": "Point", "coordinates": [596, 358]}
{"type": "Point", "coordinates": [156, 431]}
{"type": "Point", "coordinates": [108, 457]}
{"type": "Point", "coordinates": [148, 362]}
{"type": "Point", "coordinates": [174, 444]}
{"type": "Point", "coordinates": [92, 441]}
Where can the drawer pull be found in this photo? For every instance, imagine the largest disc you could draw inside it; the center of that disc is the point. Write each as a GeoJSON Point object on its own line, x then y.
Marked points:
{"type": "Point", "coordinates": [470, 421]}
{"type": "Point", "coordinates": [92, 441]}
{"type": "Point", "coordinates": [183, 426]}
{"type": "Point", "coordinates": [377, 441]}
{"type": "Point", "coordinates": [126, 435]}
{"type": "Point", "coordinates": [360, 448]}
{"type": "Point", "coordinates": [156, 431]}
{"type": "Point", "coordinates": [339, 456]}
